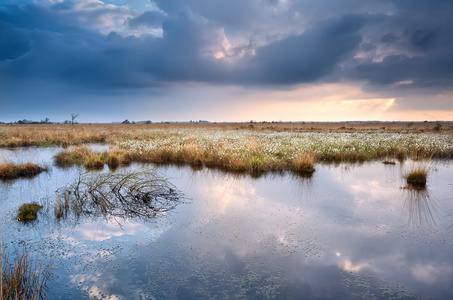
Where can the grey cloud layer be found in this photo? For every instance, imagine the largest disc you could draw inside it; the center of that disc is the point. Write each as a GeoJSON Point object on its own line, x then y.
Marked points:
{"type": "Point", "coordinates": [381, 42]}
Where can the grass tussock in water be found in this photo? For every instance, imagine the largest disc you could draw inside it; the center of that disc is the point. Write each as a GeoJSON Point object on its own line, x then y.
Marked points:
{"type": "Point", "coordinates": [417, 176]}
{"type": "Point", "coordinates": [140, 193]}
{"type": "Point", "coordinates": [92, 159]}
{"type": "Point", "coordinates": [303, 163]}
{"type": "Point", "coordinates": [28, 212]}
{"type": "Point", "coordinates": [23, 276]}
{"type": "Point", "coordinates": [9, 170]}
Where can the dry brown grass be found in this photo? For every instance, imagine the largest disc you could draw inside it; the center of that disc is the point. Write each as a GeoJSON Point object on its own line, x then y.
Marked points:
{"type": "Point", "coordinates": [303, 163]}
{"type": "Point", "coordinates": [15, 135]}
{"type": "Point", "coordinates": [81, 155]}
{"type": "Point", "coordinates": [23, 277]}
{"type": "Point", "coordinates": [9, 170]}
{"type": "Point", "coordinates": [216, 144]}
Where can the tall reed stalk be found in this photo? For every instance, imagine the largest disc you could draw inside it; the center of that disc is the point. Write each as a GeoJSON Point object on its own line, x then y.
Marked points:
{"type": "Point", "coordinates": [23, 277]}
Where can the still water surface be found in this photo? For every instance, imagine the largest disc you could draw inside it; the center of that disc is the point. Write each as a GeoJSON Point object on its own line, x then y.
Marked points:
{"type": "Point", "coordinates": [348, 232]}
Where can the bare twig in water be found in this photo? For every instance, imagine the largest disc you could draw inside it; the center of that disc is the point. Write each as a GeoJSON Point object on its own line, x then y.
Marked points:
{"type": "Point", "coordinates": [140, 193]}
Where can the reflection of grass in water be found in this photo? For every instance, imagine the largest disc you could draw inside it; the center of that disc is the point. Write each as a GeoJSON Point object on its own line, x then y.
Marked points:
{"type": "Point", "coordinates": [23, 277]}
{"type": "Point", "coordinates": [139, 193]}
{"type": "Point", "coordinates": [422, 210]}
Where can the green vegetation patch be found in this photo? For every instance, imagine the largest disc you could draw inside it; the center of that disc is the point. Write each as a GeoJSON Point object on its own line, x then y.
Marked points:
{"type": "Point", "coordinates": [28, 212]}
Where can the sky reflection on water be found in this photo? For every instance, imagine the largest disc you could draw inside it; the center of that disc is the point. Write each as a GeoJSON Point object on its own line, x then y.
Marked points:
{"type": "Point", "coordinates": [349, 232]}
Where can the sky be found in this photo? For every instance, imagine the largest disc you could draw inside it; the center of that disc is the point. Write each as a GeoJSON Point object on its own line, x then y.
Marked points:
{"type": "Point", "coordinates": [226, 60]}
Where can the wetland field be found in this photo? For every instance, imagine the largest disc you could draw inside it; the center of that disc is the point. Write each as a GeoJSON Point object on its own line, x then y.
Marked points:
{"type": "Point", "coordinates": [227, 211]}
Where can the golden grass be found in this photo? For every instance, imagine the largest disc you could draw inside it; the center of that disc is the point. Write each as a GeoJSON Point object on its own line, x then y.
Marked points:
{"type": "Point", "coordinates": [303, 163]}
{"type": "Point", "coordinates": [9, 170]}
{"type": "Point", "coordinates": [14, 135]}
{"type": "Point", "coordinates": [81, 155]}
{"type": "Point", "coordinates": [245, 147]}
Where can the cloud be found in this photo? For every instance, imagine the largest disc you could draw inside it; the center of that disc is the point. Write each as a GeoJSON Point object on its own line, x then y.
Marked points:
{"type": "Point", "coordinates": [412, 45]}
{"type": "Point", "coordinates": [151, 19]}
{"type": "Point", "coordinates": [14, 41]}
{"type": "Point", "coordinates": [392, 49]}
{"type": "Point", "coordinates": [309, 56]}
{"type": "Point", "coordinates": [192, 48]}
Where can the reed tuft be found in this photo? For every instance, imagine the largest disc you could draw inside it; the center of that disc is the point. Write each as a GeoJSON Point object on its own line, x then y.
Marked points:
{"type": "Point", "coordinates": [23, 276]}
{"type": "Point", "coordinates": [9, 170]}
{"type": "Point", "coordinates": [303, 163]}
{"type": "Point", "coordinates": [417, 176]}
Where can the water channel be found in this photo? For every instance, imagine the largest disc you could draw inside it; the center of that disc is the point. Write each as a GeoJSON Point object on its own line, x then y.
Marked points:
{"type": "Point", "coordinates": [348, 232]}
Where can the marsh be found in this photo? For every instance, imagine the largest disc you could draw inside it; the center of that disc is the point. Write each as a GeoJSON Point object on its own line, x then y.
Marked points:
{"type": "Point", "coordinates": [349, 231]}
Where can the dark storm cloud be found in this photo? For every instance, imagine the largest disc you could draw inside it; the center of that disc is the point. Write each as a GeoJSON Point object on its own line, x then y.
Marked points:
{"type": "Point", "coordinates": [416, 47]}
{"type": "Point", "coordinates": [309, 56]}
{"type": "Point", "coordinates": [382, 43]}
{"type": "Point", "coordinates": [228, 13]}
{"type": "Point", "coordinates": [150, 19]}
{"type": "Point", "coordinates": [14, 41]}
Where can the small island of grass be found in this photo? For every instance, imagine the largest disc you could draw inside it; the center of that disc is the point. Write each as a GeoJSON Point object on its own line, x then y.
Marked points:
{"type": "Point", "coordinates": [28, 212]}
{"type": "Point", "coordinates": [9, 170]}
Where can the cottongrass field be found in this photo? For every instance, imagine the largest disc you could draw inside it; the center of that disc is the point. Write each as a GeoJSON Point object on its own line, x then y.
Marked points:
{"type": "Point", "coordinates": [247, 150]}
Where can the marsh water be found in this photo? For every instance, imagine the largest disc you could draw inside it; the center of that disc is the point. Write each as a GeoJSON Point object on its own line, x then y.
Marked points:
{"type": "Point", "coordinates": [348, 232]}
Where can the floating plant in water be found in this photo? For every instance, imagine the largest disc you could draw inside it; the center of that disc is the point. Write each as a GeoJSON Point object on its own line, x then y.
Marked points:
{"type": "Point", "coordinates": [28, 212]}
{"type": "Point", "coordinates": [139, 193]}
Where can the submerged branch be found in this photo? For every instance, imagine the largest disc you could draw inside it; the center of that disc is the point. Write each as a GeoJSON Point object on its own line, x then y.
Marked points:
{"type": "Point", "coordinates": [140, 193]}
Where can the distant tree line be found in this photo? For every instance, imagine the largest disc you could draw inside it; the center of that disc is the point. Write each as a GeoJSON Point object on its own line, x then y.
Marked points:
{"type": "Point", "coordinates": [46, 121]}
{"type": "Point", "coordinates": [25, 121]}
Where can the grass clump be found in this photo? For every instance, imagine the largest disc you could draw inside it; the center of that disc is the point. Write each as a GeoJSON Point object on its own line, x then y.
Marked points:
{"type": "Point", "coordinates": [77, 156]}
{"type": "Point", "coordinates": [303, 163]}
{"type": "Point", "coordinates": [140, 193]}
{"type": "Point", "coordinates": [28, 212]}
{"type": "Point", "coordinates": [95, 162]}
{"type": "Point", "coordinates": [92, 159]}
{"type": "Point", "coordinates": [9, 170]}
{"type": "Point", "coordinates": [417, 176]}
{"type": "Point", "coordinates": [23, 277]}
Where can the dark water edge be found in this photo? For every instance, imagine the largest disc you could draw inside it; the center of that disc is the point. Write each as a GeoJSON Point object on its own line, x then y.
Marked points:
{"type": "Point", "coordinates": [348, 232]}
